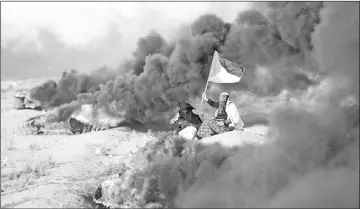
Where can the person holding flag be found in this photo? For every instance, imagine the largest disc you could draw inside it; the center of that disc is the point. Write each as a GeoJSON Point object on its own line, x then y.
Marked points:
{"type": "Point", "coordinates": [227, 117]}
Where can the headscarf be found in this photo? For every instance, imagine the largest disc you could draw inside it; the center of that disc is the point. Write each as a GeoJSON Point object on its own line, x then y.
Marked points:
{"type": "Point", "coordinates": [223, 97]}
{"type": "Point", "coordinates": [221, 111]}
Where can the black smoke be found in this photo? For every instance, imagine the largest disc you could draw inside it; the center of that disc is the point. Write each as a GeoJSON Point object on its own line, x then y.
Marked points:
{"type": "Point", "coordinates": [311, 158]}
{"type": "Point", "coordinates": [71, 85]}
{"type": "Point", "coordinates": [151, 44]}
{"type": "Point", "coordinates": [274, 39]}
{"type": "Point", "coordinates": [273, 48]}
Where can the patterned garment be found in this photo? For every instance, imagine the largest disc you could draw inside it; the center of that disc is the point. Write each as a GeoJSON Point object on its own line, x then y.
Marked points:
{"type": "Point", "coordinates": [231, 112]}
{"type": "Point", "coordinates": [210, 128]}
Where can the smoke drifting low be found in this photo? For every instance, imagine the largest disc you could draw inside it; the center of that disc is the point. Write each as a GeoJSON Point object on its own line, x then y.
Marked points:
{"type": "Point", "coordinates": [312, 158]}
{"type": "Point", "coordinates": [71, 85]}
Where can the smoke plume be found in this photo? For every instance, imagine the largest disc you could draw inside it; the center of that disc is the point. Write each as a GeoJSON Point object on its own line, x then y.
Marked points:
{"type": "Point", "coordinates": [276, 38]}
{"type": "Point", "coordinates": [311, 159]}
{"type": "Point", "coordinates": [71, 85]}
{"type": "Point", "coordinates": [151, 44]}
{"type": "Point", "coordinates": [162, 80]}
{"type": "Point", "coordinates": [168, 75]}
{"type": "Point", "coordinates": [275, 49]}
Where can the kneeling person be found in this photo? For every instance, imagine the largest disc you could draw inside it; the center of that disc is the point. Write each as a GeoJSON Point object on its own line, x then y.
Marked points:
{"type": "Point", "coordinates": [188, 122]}
{"type": "Point", "coordinates": [226, 117]}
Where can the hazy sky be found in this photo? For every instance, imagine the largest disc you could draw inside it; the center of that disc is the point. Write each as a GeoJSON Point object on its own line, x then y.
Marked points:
{"type": "Point", "coordinates": [80, 22]}
{"type": "Point", "coordinates": [40, 38]}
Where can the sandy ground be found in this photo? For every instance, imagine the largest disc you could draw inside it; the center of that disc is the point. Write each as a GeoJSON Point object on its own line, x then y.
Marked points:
{"type": "Point", "coordinates": [69, 159]}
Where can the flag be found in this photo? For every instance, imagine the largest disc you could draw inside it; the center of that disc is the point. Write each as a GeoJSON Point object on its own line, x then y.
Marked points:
{"type": "Point", "coordinates": [224, 71]}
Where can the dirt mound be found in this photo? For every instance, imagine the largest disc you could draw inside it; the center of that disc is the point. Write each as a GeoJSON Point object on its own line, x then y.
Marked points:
{"type": "Point", "coordinates": [235, 138]}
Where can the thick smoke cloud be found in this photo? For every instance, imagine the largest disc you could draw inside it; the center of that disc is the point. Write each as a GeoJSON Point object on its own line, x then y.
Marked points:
{"type": "Point", "coordinates": [171, 73]}
{"type": "Point", "coordinates": [275, 36]}
{"type": "Point", "coordinates": [162, 74]}
{"type": "Point", "coordinates": [337, 45]}
{"type": "Point", "coordinates": [71, 85]}
{"type": "Point", "coordinates": [167, 78]}
{"type": "Point", "coordinates": [253, 39]}
{"type": "Point", "coordinates": [312, 155]}
{"type": "Point", "coordinates": [151, 44]}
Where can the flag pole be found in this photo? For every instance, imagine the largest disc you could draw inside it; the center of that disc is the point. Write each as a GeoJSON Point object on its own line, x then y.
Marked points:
{"type": "Point", "coordinates": [202, 99]}
{"type": "Point", "coordinates": [207, 81]}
